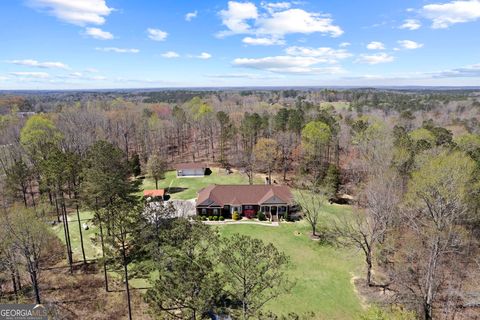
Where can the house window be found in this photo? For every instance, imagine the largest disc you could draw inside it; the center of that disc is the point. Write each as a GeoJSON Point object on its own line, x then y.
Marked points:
{"type": "Point", "coordinates": [248, 207]}
{"type": "Point", "coordinates": [215, 211]}
{"type": "Point", "coordinates": [204, 211]}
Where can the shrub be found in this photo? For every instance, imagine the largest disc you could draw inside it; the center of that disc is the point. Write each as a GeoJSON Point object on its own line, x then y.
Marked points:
{"type": "Point", "coordinates": [236, 216]}
{"type": "Point", "coordinates": [250, 214]}
{"type": "Point", "coordinates": [221, 218]}
{"type": "Point", "coordinates": [261, 216]}
{"type": "Point", "coordinates": [210, 218]}
{"type": "Point", "coordinates": [215, 218]}
{"type": "Point", "coordinates": [203, 218]}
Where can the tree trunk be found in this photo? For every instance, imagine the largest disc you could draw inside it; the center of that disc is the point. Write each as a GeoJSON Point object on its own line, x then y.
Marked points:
{"type": "Point", "coordinates": [430, 279]}
{"type": "Point", "coordinates": [369, 268]}
{"type": "Point", "coordinates": [24, 194]}
{"type": "Point", "coordinates": [156, 183]}
{"type": "Point", "coordinates": [14, 285]}
{"type": "Point", "coordinates": [125, 267]}
{"type": "Point", "coordinates": [67, 240]}
{"type": "Point", "coordinates": [69, 247]}
{"type": "Point", "coordinates": [34, 278]}
{"type": "Point", "coordinates": [81, 234]}
{"type": "Point", "coordinates": [103, 257]}
{"type": "Point", "coordinates": [57, 210]}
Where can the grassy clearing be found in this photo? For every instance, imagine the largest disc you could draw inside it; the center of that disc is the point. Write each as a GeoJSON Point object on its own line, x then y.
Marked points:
{"type": "Point", "coordinates": [187, 188]}
{"type": "Point", "coordinates": [92, 251]}
{"type": "Point", "coordinates": [322, 273]}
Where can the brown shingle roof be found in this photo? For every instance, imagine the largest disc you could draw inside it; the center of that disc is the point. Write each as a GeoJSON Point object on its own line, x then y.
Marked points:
{"type": "Point", "coordinates": [190, 165]}
{"type": "Point", "coordinates": [220, 195]}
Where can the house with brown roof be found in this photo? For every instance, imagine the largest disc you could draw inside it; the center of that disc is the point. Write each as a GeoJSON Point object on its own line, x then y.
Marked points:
{"type": "Point", "coordinates": [191, 169]}
{"type": "Point", "coordinates": [247, 200]}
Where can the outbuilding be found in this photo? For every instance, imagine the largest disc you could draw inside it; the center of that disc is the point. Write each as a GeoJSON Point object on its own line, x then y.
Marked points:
{"type": "Point", "coordinates": [191, 169]}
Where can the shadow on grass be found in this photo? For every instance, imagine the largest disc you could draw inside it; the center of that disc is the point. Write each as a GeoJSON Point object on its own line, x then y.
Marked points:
{"type": "Point", "coordinates": [173, 190]}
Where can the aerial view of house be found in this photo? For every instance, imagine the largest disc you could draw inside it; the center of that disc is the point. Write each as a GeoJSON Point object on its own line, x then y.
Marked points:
{"type": "Point", "coordinates": [191, 169]}
{"type": "Point", "coordinates": [247, 200]}
{"type": "Point", "coordinates": [240, 160]}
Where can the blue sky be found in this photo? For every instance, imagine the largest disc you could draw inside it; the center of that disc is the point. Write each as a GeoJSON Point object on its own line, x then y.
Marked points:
{"type": "Point", "coordinates": [84, 44]}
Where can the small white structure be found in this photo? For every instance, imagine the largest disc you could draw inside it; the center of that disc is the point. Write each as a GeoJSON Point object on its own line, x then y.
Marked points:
{"type": "Point", "coordinates": [192, 169]}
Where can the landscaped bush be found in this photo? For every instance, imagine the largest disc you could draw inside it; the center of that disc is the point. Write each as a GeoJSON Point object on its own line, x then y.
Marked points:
{"type": "Point", "coordinates": [261, 216]}
{"type": "Point", "coordinates": [203, 218]}
{"type": "Point", "coordinates": [221, 218]}
{"type": "Point", "coordinates": [210, 218]}
{"type": "Point", "coordinates": [249, 214]}
{"type": "Point", "coordinates": [236, 216]}
{"type": "Point", "coordinates": [215, 218]}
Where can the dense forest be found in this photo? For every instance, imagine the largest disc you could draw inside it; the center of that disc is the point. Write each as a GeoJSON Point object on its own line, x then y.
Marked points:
{"type": "Point", "coordinates": [406, 161]}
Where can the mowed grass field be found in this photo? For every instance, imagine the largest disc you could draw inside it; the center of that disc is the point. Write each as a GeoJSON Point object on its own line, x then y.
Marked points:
{"type": "Point", "coordinates": [187, 188]}
{"type": "Point", "coordinates": [322, 273]}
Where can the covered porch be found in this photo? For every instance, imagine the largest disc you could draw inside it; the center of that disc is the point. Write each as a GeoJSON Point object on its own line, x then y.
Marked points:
{"type": "Point", "coordinates": [274, 211]}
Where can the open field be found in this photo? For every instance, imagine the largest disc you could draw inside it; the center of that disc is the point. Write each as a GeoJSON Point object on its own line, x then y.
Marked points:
{"type": "Point", "coordinates": [322, 273]}
{"type": "Point", "coordinates": [187, 188]}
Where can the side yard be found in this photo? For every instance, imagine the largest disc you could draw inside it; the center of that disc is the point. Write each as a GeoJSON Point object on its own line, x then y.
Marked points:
{"type": "Point", "coordinates": [187, 188]}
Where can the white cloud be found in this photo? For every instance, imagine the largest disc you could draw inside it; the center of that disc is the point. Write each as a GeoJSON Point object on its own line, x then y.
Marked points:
{"type": "Point", "coordinates": [411, 24]}
{"type": "Point", "coordinates": [376, 58]}
{"type": "Point", "coordinates": [76, 74]}
{"type": "Point", "coordinates": [98, 33]}
{"type": "Point", "coordinates": [118, 50]}
{"type": "Point", "coordinates": [409, 44]}
{"type": "Point", "coordinates": [375, 45]}
{"type": "Point", "coordinates": [79, 12]}
{"type": "Point", "coordinates": [91, 70]}
{"type": "Point", "coordinates": [170, 54]}
{"type": "Point", "coordinates": [263, 41]}
{"type": "Point", "coordinates": [204, 56]}
{"type": "Point", "coordinates": [472, 71]}
{"type": "Point", "coordinates": [38, 64]}
{"type": "Point", "coordinates": [36, 75]}
{"type": "Point", "coordinates": [157, 34]}
{"type": "Point", "coordinates": [446, 14]}
{"type": "Point", "coordinates": [287, 64]}
{"type": "Point", "coordinates": [278, 21]}
{"type": "Point", "coordinates": [297, 21]}
{"type": "Point", "coordinates": [323, 54]}
{"type": "Point", "coordinates": [191, 15]}
{"type": "Point", "coordinates": [274, 6]}
{"type": "Point", "coordinates": [344, 44]}
{"type": "Point", "coordinates": [236, 16]}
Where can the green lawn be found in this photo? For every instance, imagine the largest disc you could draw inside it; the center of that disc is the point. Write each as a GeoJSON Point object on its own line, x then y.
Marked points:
{"type": "Point", "coordinates": [187, 188]}
{"type": "Point", "coordinates": [92, 251]}
{"type": "Point", "coordinates": [322, 273]}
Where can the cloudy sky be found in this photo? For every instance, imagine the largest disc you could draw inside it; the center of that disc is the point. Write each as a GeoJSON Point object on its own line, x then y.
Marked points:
{"type": "Point", "coordinates": [83, 44]}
